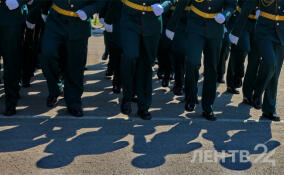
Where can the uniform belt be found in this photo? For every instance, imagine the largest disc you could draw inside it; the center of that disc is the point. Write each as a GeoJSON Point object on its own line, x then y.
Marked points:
{"type": "Point", "coordinates": [186, 8]}
{"type": "Point", "coordinates": [137, 6]}
{"type": "Point", "coordinates": [64, 12]}
{"type": "Point", "coordinates": [251, 16]}
{"type": "Point", "coordinates": [271, 16]}
{"type": "Point", "coordinates": [203, 14]}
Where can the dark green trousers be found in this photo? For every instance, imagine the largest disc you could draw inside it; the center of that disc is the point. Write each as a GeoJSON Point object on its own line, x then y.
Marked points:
{"type": "Point", "coordinates": [72, 65]}
{"type": "Point", "coordinates": [178, 55]}
{"type": "Point", "coordinates": [31, 50]}
{"type": "Point", "coordinates": [115, 54]}
{"type": "Point", "coordinates": [211, 48]}
{"type": "Point", "coordinates": [164, 56]}
{"type": "Point", "coordinates": [270, 67]}
{"type": "Point", "coordinates": [136, 66]}
{"type": "Point", "coordinates": [225, 52]}
{"type": "Point", "coordinates": [251, 71]}
{"type": "Point", "coordinates": [10, 45]}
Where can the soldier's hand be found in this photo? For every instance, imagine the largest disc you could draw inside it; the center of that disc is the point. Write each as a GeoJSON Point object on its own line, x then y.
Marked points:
{"type": "Point", "coordinates": [12, 4]}
{"type": "Point", "coordinates": [234, 39]}
{"type": "Point", "coordinates": [257, 14]}
{"type": "Point", "coordinates": [44, 17]}
{"type": "Point", "coordinates": [220, 18]}
{"type": "Point", "coordinates": [30, 25]}
{"type": "Point", "coordinates": [108, 28]}
{"type": "Point", "coordinates": [157, 9]}
{"type": "Point", "coordinates": [102, 20]}
{"type": "Point", "coordinates": [82, 15]}
{"type": "Point", "coordinates": [30, 2]}
{"type": "Point", "coordinates": [170, 34]}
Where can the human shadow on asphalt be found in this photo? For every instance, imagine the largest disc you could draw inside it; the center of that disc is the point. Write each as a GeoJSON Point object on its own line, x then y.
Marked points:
{"type": "Point", "coordinates": [72, 139]}
{"type": "Point", "coordinates": [22, 134]}
{"type": "Point", "coordinates": [67, 139]}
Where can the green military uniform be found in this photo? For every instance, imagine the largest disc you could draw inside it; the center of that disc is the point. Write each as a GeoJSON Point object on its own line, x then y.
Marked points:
{"type": "Point", "coordinates": [225, 52]}
{"type": "Point", "coordinates": [204, 35]}
{"type": "Point", "coordinates": [66, 34]}
{"type": "Point", "coordinates": [236, 68]}
{"type": "Point", "coordinates": [269, 34]}
{"type": "Point", "coordinates": [114, 47]}
{"type": "Point", "coordinates": [11, 34]}
{"type": "Point", "coordinates": [31, 45]}
{"type": "Point", "coordinates": [165, 60]}
{"type": "Point", "coordinates": [179, 53]}
{"type": "Point", "coordinates": [109, 71]}
{"type": "Point", "coordinates": [140, 33]}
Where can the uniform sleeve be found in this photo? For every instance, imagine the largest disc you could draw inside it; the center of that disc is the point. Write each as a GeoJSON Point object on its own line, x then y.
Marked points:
{"type": "Point", "coordinates": [167, 5]}
{"type": "Point", "coordinates": [36, 9]}
{"type": "Point", "coordinates": [94, 7]}
{"type": "Point", "coordinates": [114, 6]}
{"type": "Point", "coordinates": [177, 14]}
{"type": "Point", "coordinates": [230, 6]}
{"type": "Point", "coordinates": [239, 25]}
{"type": "Point", "coordinates": [22, 2]}
{"type": "Point", "coordinates": [103, 11]}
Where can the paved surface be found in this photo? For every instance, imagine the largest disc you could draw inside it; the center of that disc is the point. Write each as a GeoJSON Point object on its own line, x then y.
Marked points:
{"type": "Point", "coordinates": [40, 140]}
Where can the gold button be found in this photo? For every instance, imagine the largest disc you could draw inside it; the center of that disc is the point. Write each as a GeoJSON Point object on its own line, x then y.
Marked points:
{"type": "Point", "coordinates": [277, 24]}
{"type": "Point", "coordinates": [72, 5]}
{"type": "Point", "coordinates": [279, 7]}
{"type": "Point", "coordinates": [143, 13]}
{"type": "Point", "coordinates": [144, 3]}
{"type": "Point", "coordinates": [209, 8]}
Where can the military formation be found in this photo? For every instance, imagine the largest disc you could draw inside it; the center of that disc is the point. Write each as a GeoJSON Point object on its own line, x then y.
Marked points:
{"type": "Point", "coordinates": [179, 35]}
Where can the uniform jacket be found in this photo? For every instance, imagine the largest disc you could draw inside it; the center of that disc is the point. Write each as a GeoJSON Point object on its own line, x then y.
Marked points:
{"type": "Point", "coordinates": [72, 28]}
{"type": "Point", "coordinates": [197, 24]}
{"type": "Point", "coordinates": [142, 22]}
{"type": "Point", "coordinates": [11, 17]}
{"type": "Point", "coordinates": [265, 28]}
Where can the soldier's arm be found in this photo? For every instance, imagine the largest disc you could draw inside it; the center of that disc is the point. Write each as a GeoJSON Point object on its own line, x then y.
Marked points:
{"type": "Point", "coordinates": [94, 7]}
{"type": "Point", "coordinates": [103, 11]}
{"type": "Point", "coordinates": [177, 14]}
{"type": "Point", "coordinates": [167, 4]}
{"type": "Point", "coordinates": [36, 9]}
{"type": "Point", "coordinates": [229, 7]}
{"type": "Point", "coordinates": [22, 2]}
{"type": "Point", "coordinates": [114, 6]}
{"type": "Point", "coordinates": [239, 25]}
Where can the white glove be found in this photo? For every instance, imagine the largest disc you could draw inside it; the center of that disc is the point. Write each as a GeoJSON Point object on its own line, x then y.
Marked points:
{"type": "Point", "coordinates": [102, 20]}
{"type": "Point", "coordinates": [233, 39]}
{"type": "Point", "coordinates": [44, 17]}
{"type": "Point", "coordinates": [108, 27]}
{"type": "Point", "coordinates": [158, 9]}
{"type": "Point", "coordinates": [170, 34]}
{"type": "Point", "coordinates": [220, 18]}
{"type": "Point", "coordinates": [257, 13]}
{"type": "Point", "coordinates": [12, 4]}
{"type": "Point", "coordinates": [30, 25]}
{"type": "Point", "coordinates": [225, 29]}
{"type": "Point", "coordinates": [82, 15]}
{"type": "Point", "coordinates": [30, 2]}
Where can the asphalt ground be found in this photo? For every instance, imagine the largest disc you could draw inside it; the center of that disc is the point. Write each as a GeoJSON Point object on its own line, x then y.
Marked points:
{"type": "Point", "coordinates": [41, 140]}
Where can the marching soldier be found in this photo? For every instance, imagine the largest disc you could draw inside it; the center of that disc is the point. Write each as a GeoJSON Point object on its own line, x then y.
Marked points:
{"type": "Point", "coordinates": [205, 32]}
{"type": "Point", "coordinates": [179, 53]}
{"type": "Point", "coordinates": [236, 67]}
{"type": "Point", "coordinates": [67, 30]}
{"type": "Point", "coordinates": [31, 45]}
{"type": "Point", "coordinates": [165, 58]}
{"type": "Point", "coordinates": [114, 47]}
{"type": "Point", "coordinates": [225, 52]}
{"type": "Point", "coordinates": [140, 29]}
{"type": "Point", "coordinates": [11, 34]}
{"type": "Point", "coordinates": [269, 33]}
